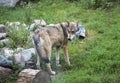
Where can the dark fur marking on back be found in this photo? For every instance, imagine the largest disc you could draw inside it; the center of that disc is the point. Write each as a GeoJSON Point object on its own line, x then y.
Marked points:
{"type": "Point", "coordinates": [36, 40]}
{"type": "Point", "coordinates": [64, 31]}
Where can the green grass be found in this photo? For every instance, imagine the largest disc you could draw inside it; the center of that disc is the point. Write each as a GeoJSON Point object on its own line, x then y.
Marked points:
{"type": "Point", "coordinates": [95, 59]}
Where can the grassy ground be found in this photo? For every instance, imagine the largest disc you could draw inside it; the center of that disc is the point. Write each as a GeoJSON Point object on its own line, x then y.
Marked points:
{"type": "Point", "coordinates": [95, 59]}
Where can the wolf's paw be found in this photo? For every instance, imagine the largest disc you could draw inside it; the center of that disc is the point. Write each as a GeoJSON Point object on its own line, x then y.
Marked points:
{"type": "Point", "coordinates": [38, 67]}
{"type": "Point", "coordinates": [58, 65]}
{"type": "Point", "coordinates": [52, 72]}
{"type": "Point", "coordinates": [69, 63]}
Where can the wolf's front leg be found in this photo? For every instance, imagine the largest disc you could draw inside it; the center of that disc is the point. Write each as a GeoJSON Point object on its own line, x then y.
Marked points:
{"type": "Point", "coordinates": [38, 62]}
{"type": "Point", "coordinates": [65, 50]}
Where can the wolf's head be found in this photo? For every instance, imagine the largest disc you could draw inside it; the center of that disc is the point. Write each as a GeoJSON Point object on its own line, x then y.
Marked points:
{"type": "Point", "coordinates": [70, 28]}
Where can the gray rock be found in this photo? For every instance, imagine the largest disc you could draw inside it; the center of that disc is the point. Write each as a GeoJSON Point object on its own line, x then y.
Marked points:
{"type": "Point", "coordinates": [3, 28]}
{"type": "Point", "coordinates": [4, 74]}
{"type": "Point", "coordinates": [25, 57]}
{"type": "Point", "coordinates": [8, 3]}
{"type": "Point", "coordinates": [4, 62]}
{"type": "Point", "coordinates": [4, 42]}
{"type": "Point", "coordinates": [36, 24]}
{"type": "Point", "coordinates": [39, 22]}
{"type": "Point", "coordinates": [5, 70]}
{"type": "Point", "coordinates": [3, 35]}
{"type": "Point", "coordinates": [81, 33]}
{"type": "Point", "coordinates": [7, 52]}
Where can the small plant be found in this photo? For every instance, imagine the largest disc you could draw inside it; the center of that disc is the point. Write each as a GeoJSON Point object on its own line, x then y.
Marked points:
{"type": "Point", "coordinates": [18, 35]}
{"type": "Point", "coordinates": [94, 4]}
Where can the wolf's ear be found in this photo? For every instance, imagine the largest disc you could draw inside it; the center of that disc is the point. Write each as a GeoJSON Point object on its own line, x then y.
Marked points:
{"type": "Point", "coordinates": [78, 26]}
{"type": "Point", "coordinates": [62, 25]}
{"type": "Point", "coordinates": [77, 23]}
{"type": "Point", "coordinates": [68, 23]}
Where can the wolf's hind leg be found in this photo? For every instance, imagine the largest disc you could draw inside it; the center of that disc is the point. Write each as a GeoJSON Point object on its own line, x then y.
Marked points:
{"type": "Point", "coordinates": [57, 57]}
{"type": "Point", "coordinates": [38, 62]}
{"type": "Point", "coordinates": [48, 58]}
{"type": "Point", "coordinates": [50, 70]}
{"type": "Point", "coordinates": [47, 61]}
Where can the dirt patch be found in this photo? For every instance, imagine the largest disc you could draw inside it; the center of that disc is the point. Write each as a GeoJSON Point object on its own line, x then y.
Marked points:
{"type": "Point", "coordinates": [90, 34]}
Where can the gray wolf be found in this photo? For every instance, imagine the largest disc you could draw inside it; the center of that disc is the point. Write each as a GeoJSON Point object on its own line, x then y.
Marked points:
{"type": "Point", "coordinates": [45, 38]}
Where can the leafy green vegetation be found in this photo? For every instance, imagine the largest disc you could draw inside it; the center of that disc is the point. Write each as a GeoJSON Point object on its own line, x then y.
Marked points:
{"type": "Point", "coordinates": [18, 36]}
{"type": "Point", "coordinates": [95, 59]}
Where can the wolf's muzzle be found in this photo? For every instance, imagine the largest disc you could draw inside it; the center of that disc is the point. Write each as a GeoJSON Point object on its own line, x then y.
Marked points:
{"type": "Point", "coordinates": [69, 39]}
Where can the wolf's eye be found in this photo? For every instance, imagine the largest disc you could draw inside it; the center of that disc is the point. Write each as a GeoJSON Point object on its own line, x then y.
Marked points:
{"type": "Point", "coordinates": [72, 32]}
{"type": "Point", "coordinates": [68, 31]}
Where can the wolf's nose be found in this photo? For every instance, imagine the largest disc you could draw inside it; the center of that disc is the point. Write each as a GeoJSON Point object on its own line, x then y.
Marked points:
{"type": "Point", "coordinates": [69, 39]}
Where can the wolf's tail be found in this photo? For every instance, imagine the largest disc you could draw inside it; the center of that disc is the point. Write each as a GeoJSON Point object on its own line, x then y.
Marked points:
{"type": "Point", "coordinates": [36, 41]}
